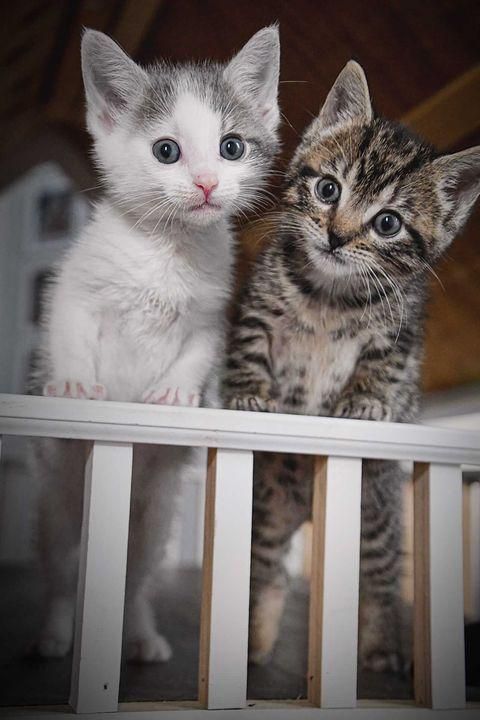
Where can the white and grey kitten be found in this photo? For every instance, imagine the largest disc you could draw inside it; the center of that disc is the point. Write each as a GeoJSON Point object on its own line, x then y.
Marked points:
{"type": "Point", "coordinates": [136, 311]}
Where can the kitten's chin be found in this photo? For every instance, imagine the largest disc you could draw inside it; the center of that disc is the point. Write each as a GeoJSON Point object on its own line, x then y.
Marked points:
{"type": "Point", "coordinates": [334, 266]}
{"type": "Point", "coordinates": [205, 214]}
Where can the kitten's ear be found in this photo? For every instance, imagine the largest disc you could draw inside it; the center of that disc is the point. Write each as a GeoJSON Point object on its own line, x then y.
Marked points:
{"type": "Point", "coordinates": [110, 77]}
{"type": "Point", "coordinates": [255, 70]}
{"type": "Point", "coordinates": [459, 183]}
{"type": "Point", "coordinates": [349, 98]}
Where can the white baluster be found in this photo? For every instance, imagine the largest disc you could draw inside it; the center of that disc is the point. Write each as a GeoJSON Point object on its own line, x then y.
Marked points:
{"type": "Point", "coordinates": [439, 660]}
{"type": "Point", "coordinates": [334, 593]}
{"type": "Point", "coordinates": [226, 579]}
{"type": "Point", "coordinates": [101, 581]}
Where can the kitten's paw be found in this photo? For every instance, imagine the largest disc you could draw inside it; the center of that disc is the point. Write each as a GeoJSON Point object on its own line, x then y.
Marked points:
{"type": "Point", "coordinates": [257, 656]}
{"type": "Point", "coordinates": [172, 396]}
{"type": "Point", "coordinates": [253, 403]}
{"type": "Point", "coordinates": [150, 648]}
{"type": "Point", "coordinates": [363, 407]}
{"type": "Point", "coordinates": [57, 635]}
{"type": "Point", "coordinates": [74, 389]}
{"type": "Point", "coordinates": [52, 647]}
{"type": "Point", "coordinates": [385, 662]}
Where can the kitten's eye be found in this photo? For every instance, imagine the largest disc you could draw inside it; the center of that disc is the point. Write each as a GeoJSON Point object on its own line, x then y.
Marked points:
{"type": "Point", "coordinates": [232, 148]}
{"type": "Point", "coordinates": [166, 151]}
{"type": "Point", "coordinates": [328, 190]}
{"type": "Point", "coordinates": [387, 224]}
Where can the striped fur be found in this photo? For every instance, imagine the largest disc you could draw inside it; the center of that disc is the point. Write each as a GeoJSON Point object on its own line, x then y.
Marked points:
{"type": "Point", "coordinates": [331, 322]}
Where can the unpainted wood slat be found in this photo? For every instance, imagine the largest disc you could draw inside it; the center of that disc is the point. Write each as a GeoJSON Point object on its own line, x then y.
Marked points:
{"type": "Point", "coordinates": [421, 617]}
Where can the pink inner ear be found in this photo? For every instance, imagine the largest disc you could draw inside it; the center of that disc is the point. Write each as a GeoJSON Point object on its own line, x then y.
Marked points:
{"type": "Point", "coordinates": [106, 120]}
{"type": "Point", "coordinates": [268, 111]}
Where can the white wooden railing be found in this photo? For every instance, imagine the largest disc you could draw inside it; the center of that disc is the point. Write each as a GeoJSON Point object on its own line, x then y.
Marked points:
{"type": "Point", "coordinates": [339, 446]}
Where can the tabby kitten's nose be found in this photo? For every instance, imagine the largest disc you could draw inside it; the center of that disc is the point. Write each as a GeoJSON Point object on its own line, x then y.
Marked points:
{"type": "Point", "coordinates": [335, 241]}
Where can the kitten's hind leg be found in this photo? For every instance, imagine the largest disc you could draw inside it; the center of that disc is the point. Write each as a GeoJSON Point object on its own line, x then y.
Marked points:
{"type": "Point", "coordinates": [144, 642]}
{"type": "Point", "coordinates": [382, 630]}
{"type": "Point", "coordinates": [60, 464]}
{"type": "Point", "coordinates": [282, 497]}
{"type": "Point", "coordinates": [157, 476]}
{"type": "Point", "coordinates": [267, 602]}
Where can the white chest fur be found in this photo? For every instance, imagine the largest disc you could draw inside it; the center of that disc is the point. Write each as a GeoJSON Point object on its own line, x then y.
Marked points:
{"type": "Point", "coordinates": [148, 300]}
{"type": "Point", "coordinates": [313, 358]}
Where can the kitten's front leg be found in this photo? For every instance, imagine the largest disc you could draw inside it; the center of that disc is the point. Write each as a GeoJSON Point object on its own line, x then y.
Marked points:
{"type": "Point", "coordinates": [248, 382]}
{"type": "Point", "coordinates": [186, 380]}
{"type": "Point", "coordinates": [72, 346]}
{"type": "Point", "coordinates": [384, 383]}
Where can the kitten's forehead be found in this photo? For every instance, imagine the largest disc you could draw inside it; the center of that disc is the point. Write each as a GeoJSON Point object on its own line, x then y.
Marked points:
{"type": "Point", "coordinates": [170, 84]}
{"type": "Point", "coordinates": [373, 158]}
{"type": "Point", "coordinates": [196, 121]}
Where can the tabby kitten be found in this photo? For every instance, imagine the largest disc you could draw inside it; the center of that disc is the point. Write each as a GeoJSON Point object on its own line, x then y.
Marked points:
{"type": "Point", "coordinates": [331, 323]}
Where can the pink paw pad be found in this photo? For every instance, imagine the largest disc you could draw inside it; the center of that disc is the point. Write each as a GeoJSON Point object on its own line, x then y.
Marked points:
{"type": "Point", "coordinates": [77, 390]}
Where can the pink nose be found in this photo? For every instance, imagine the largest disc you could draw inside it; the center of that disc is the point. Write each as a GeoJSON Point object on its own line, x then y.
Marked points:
{"type": "Point", "coordinates": [206, 182]}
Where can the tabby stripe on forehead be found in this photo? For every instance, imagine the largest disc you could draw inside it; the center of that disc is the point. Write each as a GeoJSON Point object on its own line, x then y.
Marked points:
{"type": "Point", "coordinates": [400, 172]}
{"type": "Point", "coordinates": [366, 140]}
{"type": "Point", "coordinates": [308, 171]}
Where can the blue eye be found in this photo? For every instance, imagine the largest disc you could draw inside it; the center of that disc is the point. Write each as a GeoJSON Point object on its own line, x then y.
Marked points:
{"type": "Point", "coordinates": [166, 151]}
{"type": "Point", "coordinates": [387, 224]}
{"type": "Point", "coordinates": [232, 148]}
{"type": "Point", "coordinates": [328, 190]}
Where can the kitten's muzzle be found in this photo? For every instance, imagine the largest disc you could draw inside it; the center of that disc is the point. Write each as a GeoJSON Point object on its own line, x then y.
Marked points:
{"type": "Point", "coordinates": [336, 241]}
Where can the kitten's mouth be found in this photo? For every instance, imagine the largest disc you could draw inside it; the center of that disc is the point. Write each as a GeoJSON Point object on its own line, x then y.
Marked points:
{"type": "Point", "coordinates": [332, 255]}
{"type": "Point", "coordinates": [205, 207]}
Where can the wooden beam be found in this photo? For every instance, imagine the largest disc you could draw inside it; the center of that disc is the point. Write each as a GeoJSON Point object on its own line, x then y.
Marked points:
{"type": "Point", "coordinates": [451, 114]}
{"type": "Point", "coordinates": [132, 24]}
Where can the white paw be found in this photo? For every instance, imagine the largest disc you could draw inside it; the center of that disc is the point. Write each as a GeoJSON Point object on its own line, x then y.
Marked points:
{"type": "Point", "coordinates": [172, 396]}
{"type": "Point", "coordinates": [382, 662]}
{"type": "Point", "coordinates": [50, 646]}
{"type": "Point", "coordinates": [57, 634]}
{"type": "Point", "coordinates": [75, 389]}
{"type": "Point", "coordinates": [150, 648]}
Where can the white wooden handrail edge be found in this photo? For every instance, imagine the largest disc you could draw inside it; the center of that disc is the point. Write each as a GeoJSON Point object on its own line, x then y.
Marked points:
{"type": "Point", "coordinates": [131, 422]}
